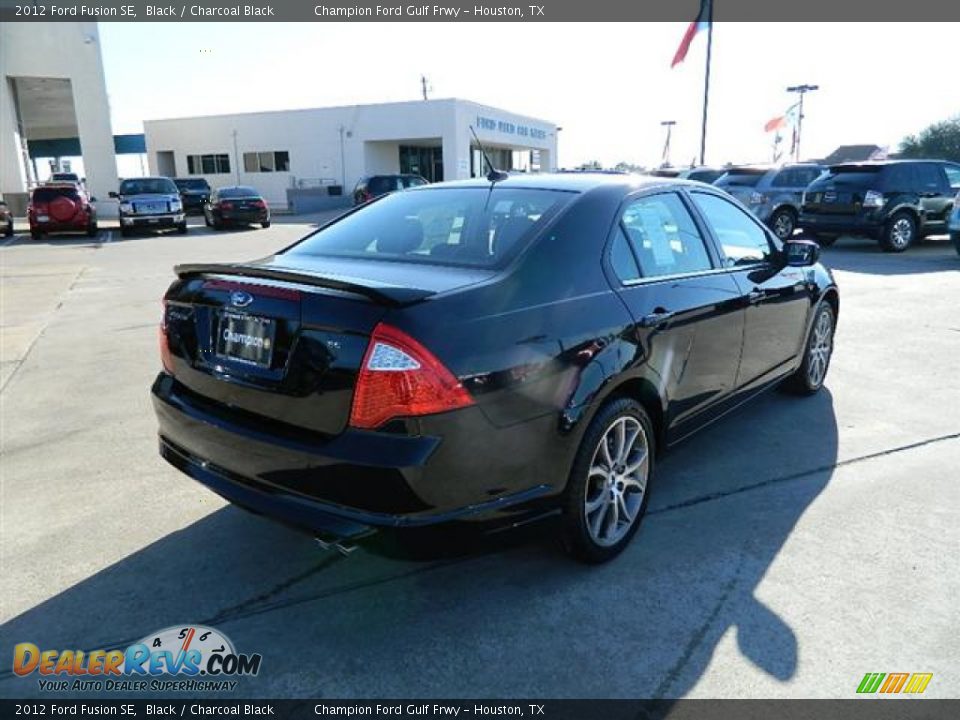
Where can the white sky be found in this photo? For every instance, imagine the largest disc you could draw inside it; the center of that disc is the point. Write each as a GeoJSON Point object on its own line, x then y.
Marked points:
{"type": "Point", "coordinates": [607, 85]}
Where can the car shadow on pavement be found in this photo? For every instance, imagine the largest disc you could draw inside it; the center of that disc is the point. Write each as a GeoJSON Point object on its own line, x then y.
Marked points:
{"type": "Point", "coordinates": [933, 254]}
{"type": "Point", "coordinates": [512, 618]}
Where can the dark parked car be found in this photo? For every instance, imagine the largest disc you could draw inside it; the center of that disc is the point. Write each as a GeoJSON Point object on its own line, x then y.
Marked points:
{"type": "Point", "coordinates": [236, 205]}
{"type": "Point", "coordinates": [704, 174]}
{"type": "Point", "coordinates": [376, 185]}
{"type": "Point", "coordinates": [150, 203]}
{"type": "Point", "coordinates": [773, 194]}
{"type": "Point", "coordinates": [194, 192]}
{"type": "Point", "coordinates": [61, 207]}
{"type": "Point", "coordinates": [473, 352]}
{"type": "Point", "coordinates": [6, 219]}
{"type": "Point", "coordinates": [895, 202]}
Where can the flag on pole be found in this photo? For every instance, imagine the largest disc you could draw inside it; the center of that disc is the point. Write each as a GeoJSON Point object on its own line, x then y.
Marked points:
{"type": "Point", "coordinates": [702, 22]}
{"type": "Point", "coordinates": [789, 117]}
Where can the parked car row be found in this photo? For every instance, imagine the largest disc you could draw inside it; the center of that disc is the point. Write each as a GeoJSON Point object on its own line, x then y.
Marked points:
{"type": "Point", "coordinates": [895, 202]}
{"type": "Point", "coordinates": [63, 205]}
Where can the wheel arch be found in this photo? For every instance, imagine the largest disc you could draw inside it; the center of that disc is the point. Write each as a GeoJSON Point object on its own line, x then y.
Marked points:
{"type": "Point", "coordinates": [645, 393]}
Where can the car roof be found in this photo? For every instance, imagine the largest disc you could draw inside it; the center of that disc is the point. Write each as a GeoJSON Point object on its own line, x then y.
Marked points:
{"type": "Point", "coordinates": [571, 182]}
{"type": "Point", "coordinates": [56, 185]}
{"type": "Point", "coordinates": [885, 163]}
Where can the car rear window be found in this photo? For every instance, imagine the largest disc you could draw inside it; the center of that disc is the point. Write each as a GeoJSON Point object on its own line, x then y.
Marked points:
{"type": "Point", "coordinates": [189, 184]}
{"type": "Point", "coordinates": [475, 227]}
{"type": "Point", "coordinates": [742, 178]}
{"type": "Point", "coordinates": [853, 174]}
{"type": "Point", "coordinates": [409, 182]}
{"type": "Point", "coordinates": [238, 192]}
{"type": "Point", "coordinates": [384, 184]}
{"type": "Point", "coordinates": [48, 194]}
{"type": "Point", "coordinates": [148, 186]}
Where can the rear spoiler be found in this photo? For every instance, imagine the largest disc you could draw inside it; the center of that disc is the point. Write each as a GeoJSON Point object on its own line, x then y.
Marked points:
{"type": "Point", "coordinates": [393, 295]}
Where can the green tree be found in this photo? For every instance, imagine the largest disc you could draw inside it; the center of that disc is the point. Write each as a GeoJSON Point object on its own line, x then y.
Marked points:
{"type": "Point", "coordinates": [940, 141]}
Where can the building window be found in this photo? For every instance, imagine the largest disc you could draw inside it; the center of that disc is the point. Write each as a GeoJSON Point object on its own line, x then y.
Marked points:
{"type": "Point", "coordinates": [208, 164]}
{"type": "Point", "coordinates": [267, 161]}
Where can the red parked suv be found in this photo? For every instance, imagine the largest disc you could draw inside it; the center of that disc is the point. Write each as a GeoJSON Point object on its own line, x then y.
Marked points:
{"type": "Point", "coordinates": [61, 207]}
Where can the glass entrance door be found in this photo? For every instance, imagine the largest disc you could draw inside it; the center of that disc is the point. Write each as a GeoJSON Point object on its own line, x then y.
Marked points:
{"type": "Point", "coordinates": [424, 161]}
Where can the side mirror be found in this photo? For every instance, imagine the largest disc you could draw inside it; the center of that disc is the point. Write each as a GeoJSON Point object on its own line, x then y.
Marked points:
{"type": "Point", "coordinates": [801, 253]}
{"type": "Point", "coordinates": [93, 199]}
{"type": "Point", "coordinates": [113, 195]}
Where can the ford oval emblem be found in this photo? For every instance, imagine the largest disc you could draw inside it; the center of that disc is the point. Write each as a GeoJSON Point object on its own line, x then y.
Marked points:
{"type": "Point", "coordinates": [239, 298]}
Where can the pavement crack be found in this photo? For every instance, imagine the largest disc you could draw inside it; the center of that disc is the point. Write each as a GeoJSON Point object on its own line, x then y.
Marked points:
{"type": "Point", "coordinates": [802, 474]}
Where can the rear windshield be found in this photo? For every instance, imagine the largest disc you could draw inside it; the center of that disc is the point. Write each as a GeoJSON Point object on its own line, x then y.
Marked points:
{"type": "Point", "coordinates": [853, 175]}
{"type": "Point", "coordinates": [451, 226]}
{"type": "Point", "coordinates": [238, 192]}
{"type": "Point", "coordinates": [192, 184]}
{"type": "Point", "coordinates": [147, 186]}
{"type": "Point", "coordinates": [705, 176]}
{"type": "Point", "coordinates": [413, 182]}
{"type": "Point", "coordinates": [742, 178]}
{"type": "Point", "coordinates": [48, 194]}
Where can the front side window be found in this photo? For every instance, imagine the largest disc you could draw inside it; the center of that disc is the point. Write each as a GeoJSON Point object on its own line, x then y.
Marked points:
{"type": "Point", "coordinates": [664, 237]}
{"type": "Point", "coordinates": [929, 178]}
{"type": "Point", "coordinates": [451, 226]}
{"type": "Point", "coordinates": [953, 175]}
{"type": "Point", "coordinates": [743, 241]}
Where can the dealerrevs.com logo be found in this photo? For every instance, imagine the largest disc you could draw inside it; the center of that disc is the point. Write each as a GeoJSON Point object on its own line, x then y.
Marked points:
{"type": "Point", "coordinates": [187, 658]}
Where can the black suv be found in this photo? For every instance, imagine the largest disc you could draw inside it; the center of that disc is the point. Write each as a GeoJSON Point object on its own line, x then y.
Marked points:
{"type": "Point", "coordinates": [194, 192]}
{"type": "Point", "coordinates": [376, 185]}
{"type": "Point", "coordinates": [894, 202]}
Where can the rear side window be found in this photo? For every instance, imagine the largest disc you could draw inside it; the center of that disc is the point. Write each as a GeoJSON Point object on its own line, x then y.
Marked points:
{"type": "Point", "coordinates": [743, 241]}
{"type": "Point", "coordinates": [450, 226]}
{"type": "Point", "coordinates": [795, 177]}
{"type": "Point", "coordinates": [953, 175]}
{"type": "Point", "coordinates": [664, 237]}
{"type": "Point", "coordinates": [622, 260]}
{"type": "Point", "coordinates": [929, 178]}
{"type": "Point", "coordinates": [49, 194]}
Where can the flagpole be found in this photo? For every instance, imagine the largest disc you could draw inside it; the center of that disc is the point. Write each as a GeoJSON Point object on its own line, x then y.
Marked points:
{"type": "Point", "coordinates": [706, 86]}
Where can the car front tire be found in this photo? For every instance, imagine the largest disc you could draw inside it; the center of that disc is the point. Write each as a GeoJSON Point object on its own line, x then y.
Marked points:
{"type": "Point", "coordinates": [265, 225]}
{"type": "Point", "coordinates": [182, 228]}
{"type": "Point", "coordinates": [609, 485]}
{"type": "Point", "coordinates": [899, 233]}
{"type": "Point", "coordinates": [810, 376]}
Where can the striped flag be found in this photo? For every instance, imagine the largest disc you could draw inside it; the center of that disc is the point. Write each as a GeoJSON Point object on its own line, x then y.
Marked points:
{"type": "Point", "coordinates": [781, 121]}
{"type": "Point", "coordinates": [702, 22]}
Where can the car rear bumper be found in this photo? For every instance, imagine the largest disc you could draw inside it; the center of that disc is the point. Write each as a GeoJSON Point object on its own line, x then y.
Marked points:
{"type": "Point", "coordinates": [841, 225]}
{"type": "Point", "coordinates": [340, 485]}
{"type": "Point", "coordinates": [253, 216]}
{"type": "Point", "coordinates": [56, 227]}
{"type": "Point", "coordinates": [144, 221]}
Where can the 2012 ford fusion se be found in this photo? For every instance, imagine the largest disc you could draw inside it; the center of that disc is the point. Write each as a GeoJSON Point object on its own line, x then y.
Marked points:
{"type": "Point", "coordinates": [487, 352]}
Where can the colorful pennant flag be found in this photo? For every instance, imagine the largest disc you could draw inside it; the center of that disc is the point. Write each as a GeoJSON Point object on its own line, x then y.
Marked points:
{"type": "Point", "coordinates": [702, 22]}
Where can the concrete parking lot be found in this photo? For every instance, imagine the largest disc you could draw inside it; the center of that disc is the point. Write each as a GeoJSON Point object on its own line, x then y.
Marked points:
{"type": "Point", "coordinates": [789, 549]}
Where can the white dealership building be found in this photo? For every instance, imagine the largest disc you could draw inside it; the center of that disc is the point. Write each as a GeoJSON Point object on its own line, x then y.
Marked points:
{"type": "Point", "coordinates": [318, 149]}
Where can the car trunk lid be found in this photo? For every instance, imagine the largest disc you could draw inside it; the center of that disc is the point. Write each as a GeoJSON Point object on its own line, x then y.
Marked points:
{"type": "Point", "coordinates": [285, 341]}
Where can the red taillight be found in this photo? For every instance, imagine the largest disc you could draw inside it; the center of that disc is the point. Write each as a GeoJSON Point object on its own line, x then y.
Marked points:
{"type": "Point", "coordinates": [259, 204]}
{"type": "Point", "coordinates": [401, 378]}
{"type": "Point", "coordinates": [165, 357]}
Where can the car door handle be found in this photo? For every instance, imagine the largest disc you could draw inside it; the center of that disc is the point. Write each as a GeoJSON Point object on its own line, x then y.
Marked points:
{"type": "Point", "coordinates": [656, 319]}
{"type": "Point", "coordinates": [755, 296]}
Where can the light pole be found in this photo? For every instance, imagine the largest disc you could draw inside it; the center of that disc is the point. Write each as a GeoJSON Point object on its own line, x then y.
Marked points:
{"type": "Point", "coordinates": [668, 124]}
{"type": "Point", "coordinates": [802, 90]}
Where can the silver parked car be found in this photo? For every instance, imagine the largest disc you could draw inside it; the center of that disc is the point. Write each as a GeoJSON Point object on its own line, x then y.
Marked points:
{"type": "Point", "coordinates": [773, 193]}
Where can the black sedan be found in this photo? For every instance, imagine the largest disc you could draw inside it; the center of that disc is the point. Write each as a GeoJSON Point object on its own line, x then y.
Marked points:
{"type": "Point", "coordinates": [486, 352]}
{"type": "Point", "coordinates": [236, 205]}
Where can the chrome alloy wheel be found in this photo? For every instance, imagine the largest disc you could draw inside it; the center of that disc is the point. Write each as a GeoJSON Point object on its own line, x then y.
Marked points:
{"type": "Point", "coordinates": [617, 481]}
{"type": "Point", "coordinates": [821, 345]}
{"type": "Point", "coordinates": [783, 225]}
{"type": "Point", "coordinates": [901, 234]}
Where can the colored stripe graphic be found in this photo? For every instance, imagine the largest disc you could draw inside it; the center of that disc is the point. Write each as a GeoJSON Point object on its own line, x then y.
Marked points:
{"type": "Point", "coordinates": [870, 682]}
{"type": "Point", "coordinates": [918, 682]}
{"type": "Point", "coordinates": [894, 683]}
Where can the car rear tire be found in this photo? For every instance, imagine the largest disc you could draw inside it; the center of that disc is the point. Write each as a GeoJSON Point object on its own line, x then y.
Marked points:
{"type": "Point", "coordinates": [182, 228]}
{"type": "Point", "coordinates": [265, 225]}
{"type": "Point", "coordinates": [783, 223]}
{"type": "Point", "coordinates": [899, 233]}
{"type": "Point", "coordinates": [818, 350]}
{"type": "Point", "coordinates": [124, 232]}
{"type": "Point", "coordinates": [36, 234]}
{"type": "Point", "coordinates": [9, 231]}
{"type": "Point", "coordinates": [609, 484]}
{"type": "Point", "coordinates": [92, 230]}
